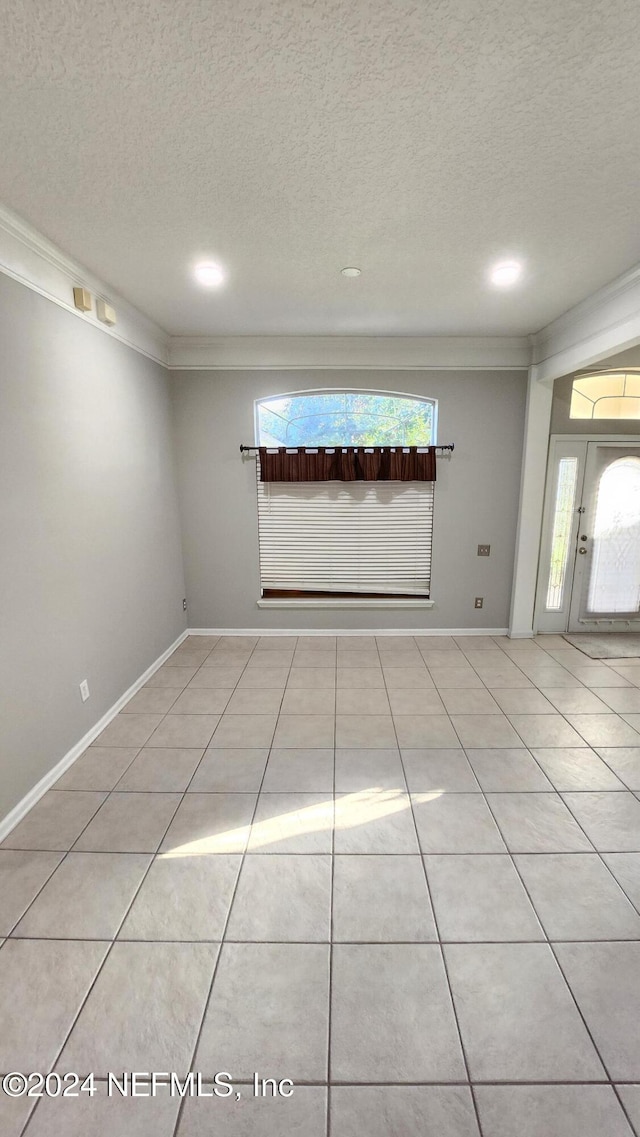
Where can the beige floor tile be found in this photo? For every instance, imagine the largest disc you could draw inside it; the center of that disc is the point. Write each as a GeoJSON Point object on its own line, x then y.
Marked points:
{"type": "Point", "coordinates": [318, 643]}
{"type": "Point", "coordinates": [285, 898]}
{"type": "Point", "coordinates": [410, 701]}
{"type": "Point", "coordinates": [306, 701]}
{"type": "Point", "coordinates": [576, 700]}
{"type": "Point", "coordinates": [395, 643]}
{"type": "Point", "coordinates": [236, 643]}
{"type": "Point", "coordinates": [244, 731]}
{"type": "Point", "coordinates": [187, 656]}
{"type": "Point", "coordinates": [42, 986]}
{"type": "Point", "coordinates": [129, 823]}
{"type": "Point", "coordinates": [604, 980]}
{"type": "Point", "coordinates": [537, 823]}
{"type": "Point", "coordinates": [517, 1018]}
{"type": "Point", "coordinates": [202, 701]}
{"type": "Point", "coordinates": [505, 769]}
{"type": "Point", "coordinates": [522, 701]}
{"type": "Point", "coordinates": [479, 899]}
{"type": "Point", "coordinates": [407, 678]}
{"type": "Point", "coordinates": [624, 761]}
{"type": "Point", "coordinates": [22, 875]}
{"type": "Point", "coordinates": [55, 821]}
{"type": "Point", "coordinates": [469, 701]}
{"type": "Point", "coordinates": [103, 1116]}
{"type": "Point", "coordinates": [99, 768]}
{"type": "Point", "coordinates": [263, 678]}
{"type": "Point", "coordinates": [455, 823]}
{"type": "Point", "coordinates": [277, 657]}
{"type": "Point", "coordinates": [168, 676]}
{"type": "Point", "coordinates": [545, 730]}
{"type": "Point", "coordinates": [217, 678]}
{"type": "Point", "coordinates": [153, 700]}
{"type": "Point", "coordinates": [299, 770]}
{"type": "Point", "coordinates": [610, 820]}
{"type": "Point", "coordinates": [292, 823]}
{"type": "Point", "coordinates": [128, 730]}
{"type": "Point", "coordinates": [576, 768]}
{"type": "Point", "coordinates": [260, 701]}
{"type": "Point", "coordinates": [377, 1030]}
{"type": "Point", "coordinates": [438, 770]}
{"type": "Point", "coordinates": [400, 658]}
{"type": "Point", "coordinates": [621, 699]}
{"type": "Point", "coordinates": [485, 730]}
{"type": "Point", "coordinates": [86, 898]}
{"type": "Point", "coordinates": [577, 898]}
{"type": "Point", "coordinates": [13, 1115]}
{"type": "Point", "coordinates": [380, 822]}
{"type": "Point", "coordinates": [381, 899]}
{"type": "Point", "coordinates": [447, 678]}
{"type": "Point", "coordinates": [413, 1110]}
{"type": "Point", "coordinates": [210, 823]}
{"type": "Point", "coordinates": [144, 1009]}
{"type": "Point", "coordinates": [417, 731]}
{"type": "Point", "coordinates": [368, 731]}
{"type": "Point", "coordinates": [163, 770]}
{"type": "Point", "coordinates": [362, 701]}
{"type": "Point", "coordinates": [313, 658]}
{"type": "Point", "coordinates": [304, 1113]}
{"type": "Point", "coordinates": [537, 1111]}
{"type": "Point", "coordinates": [183, 898]}
{"type": "Point", "coordinates": [184, 731]}
{"type": "Point", "coordinates": [605, 730]}
{"type": "Point", "coordinates": [277, 643]}
{"type": "Point", "coordinates": [359, 659]}
{"type": "Point", "coordinates": [230, 771]}
{"type": "Point", "coordinates": [368, 770]}
{"type": "Point", "coordinates": [304, 731]}
{"type": "Point", "coordinates": [269, 1010]}
{"type": "Point", "coordinates": [360, 678]}
{"type": "Point", "coordinates": [318, 678]}
{"type": "Point", "coordinates": [626, 869]}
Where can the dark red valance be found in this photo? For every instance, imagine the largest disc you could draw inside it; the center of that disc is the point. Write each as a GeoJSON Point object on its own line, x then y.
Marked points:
{"type": "Point", "coordinates": [348, 464]}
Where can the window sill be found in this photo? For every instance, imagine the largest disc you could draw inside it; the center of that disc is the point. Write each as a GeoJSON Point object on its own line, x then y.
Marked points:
{"type": "Point", "coordinates": [325, 602]}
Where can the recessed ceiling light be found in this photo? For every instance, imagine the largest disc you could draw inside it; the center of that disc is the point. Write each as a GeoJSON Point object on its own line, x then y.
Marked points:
{"type": "Point", "coordinates": [350, 271]}
{"type": "Point", "coordinates": [505, 273]}
{"type": "Point", "coordinates": [209, 274]}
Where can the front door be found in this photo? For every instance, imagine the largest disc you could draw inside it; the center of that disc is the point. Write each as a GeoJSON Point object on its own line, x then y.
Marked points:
{"type": "Point", "coordinates": [606, 574]}
{"type": "Point", "coordinates": [589, 577]}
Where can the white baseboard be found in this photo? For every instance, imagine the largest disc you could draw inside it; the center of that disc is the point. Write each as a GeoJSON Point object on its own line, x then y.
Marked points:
{"type": "Point", "coordinates": [348, 631]}
{"type": "Point", "coordinates": [29, 800]}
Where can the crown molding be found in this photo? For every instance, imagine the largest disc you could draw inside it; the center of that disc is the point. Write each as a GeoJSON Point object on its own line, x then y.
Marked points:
{"type": "Point", "coordinates": [370, 353]}
{"type": "Point", "coordinates": [30, 258]}
{"type": "Point", "coordinates": [603, 324]}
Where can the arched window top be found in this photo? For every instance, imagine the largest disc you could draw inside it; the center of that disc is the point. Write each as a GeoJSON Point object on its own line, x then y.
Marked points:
{"type": "Point", "coordinates": [606, 394]}
{"type": "Point", "coordinates": [347, 418]}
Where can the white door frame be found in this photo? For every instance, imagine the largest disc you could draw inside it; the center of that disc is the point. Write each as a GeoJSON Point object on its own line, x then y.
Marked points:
{"type": "Point", "coordinates": [566, 445]}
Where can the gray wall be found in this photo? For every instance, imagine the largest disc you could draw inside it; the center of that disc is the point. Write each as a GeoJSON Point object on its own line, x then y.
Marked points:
{"type": "Point", "coordinates": [90, 557]}
{"type": "Point", "coordinates": [476, 495]}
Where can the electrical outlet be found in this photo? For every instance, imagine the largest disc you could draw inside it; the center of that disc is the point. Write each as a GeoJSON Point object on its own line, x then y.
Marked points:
{"type": "Point", "coordinates": [84, 690]}
{"type": "Point", "coordinates": [479, 602]}
{"type": "Point", "coordinates": [184, 604]}
{"type": "Point", "coordinates": [484, 550]}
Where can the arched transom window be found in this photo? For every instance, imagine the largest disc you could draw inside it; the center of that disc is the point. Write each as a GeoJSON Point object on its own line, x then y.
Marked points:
{"type": "Point", "coordinates": [348, 418]}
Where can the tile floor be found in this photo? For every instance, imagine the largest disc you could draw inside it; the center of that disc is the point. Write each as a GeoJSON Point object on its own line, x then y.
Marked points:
{"type": "Point", "coordinates": [403, 872]}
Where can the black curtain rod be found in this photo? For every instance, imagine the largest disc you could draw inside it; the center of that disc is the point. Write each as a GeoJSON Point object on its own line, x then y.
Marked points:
{"type": "Point", "coordinates": [340, 445]}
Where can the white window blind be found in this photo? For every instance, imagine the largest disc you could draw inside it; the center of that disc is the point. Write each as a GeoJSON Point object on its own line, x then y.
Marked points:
{"type": "Point", "coordinates": [364, 537]}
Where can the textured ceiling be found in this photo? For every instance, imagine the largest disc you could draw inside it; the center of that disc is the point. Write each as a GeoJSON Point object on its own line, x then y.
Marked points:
{"type": "Point", "coordinates": [288, 138]}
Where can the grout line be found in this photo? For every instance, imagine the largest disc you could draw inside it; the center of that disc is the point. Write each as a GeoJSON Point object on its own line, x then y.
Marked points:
{"type": "Point", "coordinates": [207, 1000]}
{"type": "Point", "coordinates": [437, 931]}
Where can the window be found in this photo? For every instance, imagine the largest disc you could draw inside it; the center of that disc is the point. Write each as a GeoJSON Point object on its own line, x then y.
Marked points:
{"type": "Point", "coordinates": [614, 583]}
{"type": "Point", "coordinates": [606, 394]}
{"type": "Point", "coordinates": [347, 418]}
{"type": "Point", "coordinates": [561, 533]}
{"type": "Point", "coordinates": [350, 539]}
